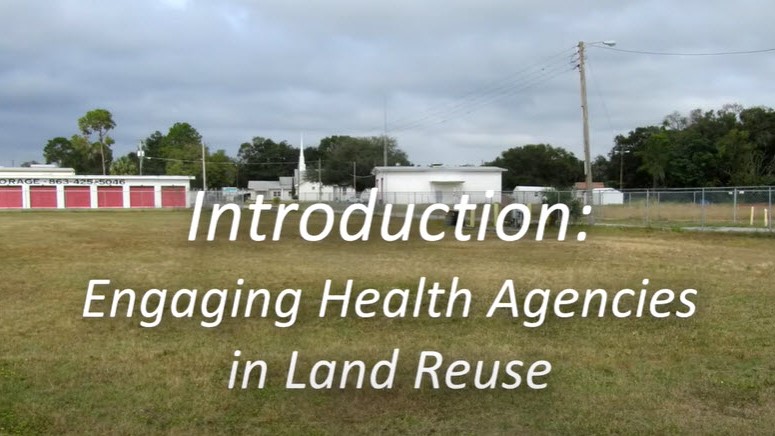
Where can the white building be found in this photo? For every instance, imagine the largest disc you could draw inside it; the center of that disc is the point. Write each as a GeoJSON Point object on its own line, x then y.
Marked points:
{"type": "Point", "coordinates": [437, 184]}
{"type": "Point", "coordinates": [298, 188]}
{"type": "Point", "coordinates": [601, 195]}
{"type": "Point", "coordinates": [60, 188]}
{"type": "Point", "coordinates": [282, 188]}
{"type": "Point", "coordinates": [607, 196]}
{"type": "Point", "coordinates": [531, 194]}
{"type": "Point", "coordinates": [309, 190]}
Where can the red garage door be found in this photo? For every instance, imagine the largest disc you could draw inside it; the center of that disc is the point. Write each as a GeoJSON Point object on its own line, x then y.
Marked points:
{"type": "Point", "coordinates": [173, 196]}
{"type": "Point", "coordinates": [141, 196]}
{"type": "Point", "coordinates": [110, 196]}
{"type": "Point", "coordinates": [10, 196]}
{"type": "Point", "coordinates": [43, 196]}
{"type": "Point", "coordinates": [77, 196]}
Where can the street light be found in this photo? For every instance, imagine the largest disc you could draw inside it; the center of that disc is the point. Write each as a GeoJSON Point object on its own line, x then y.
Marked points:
{"type": "Point", "coordinates": [585, 118]}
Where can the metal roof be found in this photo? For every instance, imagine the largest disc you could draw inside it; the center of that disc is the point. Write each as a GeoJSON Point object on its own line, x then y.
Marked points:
{"type": "Point", "coordinates": [436, 169]}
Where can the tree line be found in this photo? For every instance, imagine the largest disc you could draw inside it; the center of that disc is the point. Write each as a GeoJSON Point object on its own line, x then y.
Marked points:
{"type": "Point", "coordinates": [337, 160]}
{"type": "Point", "coordinates": [729, 146]}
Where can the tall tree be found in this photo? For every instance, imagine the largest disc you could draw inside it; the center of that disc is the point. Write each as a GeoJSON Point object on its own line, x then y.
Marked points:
{"type": "Point", "coordinates": [76, 153]}
{"type": "Point", "coordinates": [626, 161]}
{"type": "Point", "coordinates": [123, 166]}
{"type": "Point", "coordinates": [601, 170]}
{"type": "Point", "coordinates": [153, 162]}
{"type": "Point", "coordinates": [340, 155]}
{"type": "Point", "coordinates": [182, 148]}
{"type": "Point", "coordinates": [759, 122]}
{"type": "Point", "coordinates": [264, 159]}
{"type": "Point", "coordinates": [539, 165]}
{"type": "Point", "coordinates": [221, 170]}
{"type": "Point", "coordinates": [99, 121]}
{"type": "Point", "coordinates": [729, 146]}
{"type": "Point", "coordinates": [60, 151]}
{"type": "Point", "coordinates": [655, 156]}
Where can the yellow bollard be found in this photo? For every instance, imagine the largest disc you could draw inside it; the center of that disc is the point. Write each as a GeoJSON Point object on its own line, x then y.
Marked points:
{"type": "Point", "coordinates": [766, 218]}
{"type": "Point", "coordinates": [472, 219]}
{"type": "Point", "coordinates": [752, 209]}
{"type": "Point", "coordinates": [496, 207]}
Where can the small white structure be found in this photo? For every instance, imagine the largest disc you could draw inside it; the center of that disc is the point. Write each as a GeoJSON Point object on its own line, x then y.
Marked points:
{"type": "Point", "coordinates": [607, 196]}
{"type": "Point", "coordinates": [60, 188]}
{"type": "Point", "coordinates": [531, 194]}
{"type": "Point", "coordinates": [437, 184]}
{"type": "Point", "coordinates": [270, 189]}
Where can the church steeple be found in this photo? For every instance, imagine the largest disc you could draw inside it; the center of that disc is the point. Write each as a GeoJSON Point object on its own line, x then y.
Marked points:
{"type": "Point", "coordinates": [302, 164]}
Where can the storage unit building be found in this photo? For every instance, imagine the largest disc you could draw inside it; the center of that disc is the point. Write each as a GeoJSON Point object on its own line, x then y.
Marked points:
{"type": "Point", "coordinates": [61, 188]}
{"type": "Point", "coordinates": [11, 197]}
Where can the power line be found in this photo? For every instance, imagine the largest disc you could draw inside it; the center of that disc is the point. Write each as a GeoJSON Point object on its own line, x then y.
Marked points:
{"type": "Point", "coordinates": [657, 53]}
{"type": "Point", "coordinates": [481, 95]}
{"type": "Point", "coordinates": [466, 107]}
{"type": "Point", "coordinates": [235, 163]}
{"type": "Point", "coordinates": [599, 95]}
{"type": "Point", "coordinates": [472, 100]}
{"type": "Point", "coordinates": [210, 162]}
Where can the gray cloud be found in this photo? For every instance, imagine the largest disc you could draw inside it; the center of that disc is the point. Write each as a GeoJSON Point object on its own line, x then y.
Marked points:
{"type": "Point", "coordinates": [461, 80]}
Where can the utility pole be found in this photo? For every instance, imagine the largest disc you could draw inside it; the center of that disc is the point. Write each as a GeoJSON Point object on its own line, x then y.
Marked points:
{"type": "Point", "coordinates": [204, 169]}
{"type": "Point", "coordinates": [140, 156]}
{"type": "Point", "coordinates": [384, 135]}
{"type": "Point", "coordinates": [320, 181]}
{"type": "Point", "coordinates": [621, 166]}
{"type": "Point", "coordinates": [585, 117]}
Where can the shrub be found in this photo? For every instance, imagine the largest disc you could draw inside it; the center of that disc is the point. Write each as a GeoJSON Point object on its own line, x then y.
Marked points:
{"type": "Point", "coordinates": [566, 197]}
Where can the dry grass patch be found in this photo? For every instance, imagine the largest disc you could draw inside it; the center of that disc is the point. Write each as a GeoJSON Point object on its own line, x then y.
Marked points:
{"type": "Point", "coordinates": [59, 373]}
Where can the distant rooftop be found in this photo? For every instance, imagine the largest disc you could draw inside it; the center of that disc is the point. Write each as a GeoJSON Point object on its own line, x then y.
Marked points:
{"type": "Point", "coordinates": [583, 185]}
{"type": "Point", "coordinates": [436, 168]}
{"type": "Point", "coordinates": [37, 169]}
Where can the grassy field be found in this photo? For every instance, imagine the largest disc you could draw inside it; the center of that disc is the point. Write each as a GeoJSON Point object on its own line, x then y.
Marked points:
{"type": "Point", "coordinates": [684, 214]}
{"type": "Point", "coordinates": [713, 373]}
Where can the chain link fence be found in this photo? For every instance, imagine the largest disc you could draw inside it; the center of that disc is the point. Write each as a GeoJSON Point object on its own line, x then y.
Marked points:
{"type": "Point", "coordinates": [738, 207]}
{"type": "Point", "coordinates": [699, 207]}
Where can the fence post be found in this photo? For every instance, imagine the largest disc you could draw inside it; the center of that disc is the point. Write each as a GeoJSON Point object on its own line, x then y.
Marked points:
{"type": "Point", "coordinates": [734, 206]}
{"type": "Point", "coordinates": [659, 199]}
{"type": "Point", "coordinates": [702, 215]}
{"type": "Point", "coordinates": [648, 210]}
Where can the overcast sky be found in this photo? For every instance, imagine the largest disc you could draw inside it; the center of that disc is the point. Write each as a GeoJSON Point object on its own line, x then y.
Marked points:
{"type": "Point", "coordinates": [460, 81]}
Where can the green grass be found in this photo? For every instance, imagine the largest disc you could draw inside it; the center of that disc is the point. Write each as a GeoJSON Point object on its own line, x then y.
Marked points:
{"type": "Point", "coordinates": [684, 214]}
{"type": "Point", "coordinates": [60, 373]}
